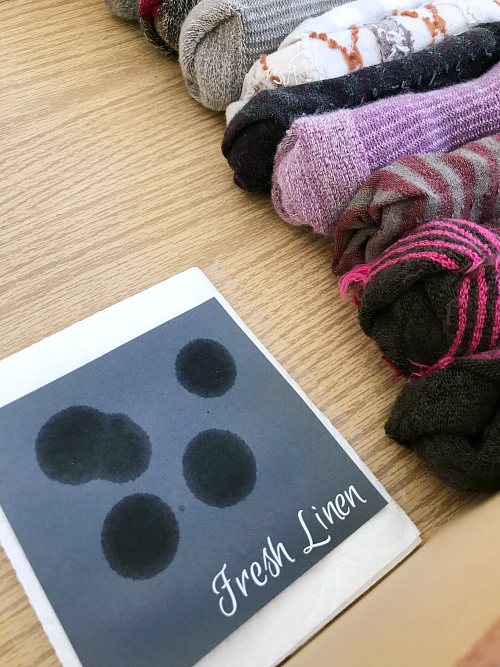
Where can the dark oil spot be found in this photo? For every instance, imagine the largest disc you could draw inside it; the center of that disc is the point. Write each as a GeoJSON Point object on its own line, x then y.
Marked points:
{"type": "Point", "coordinates": [219, 468]}
{"type": "Point", "coordinates": [206, 368]}
{"type": "Point", "coordinates": [140, 536]}
{"type": "Point", "coordinates": [125, 449]}
{"type": "Point", "coordinates": [80, 443]}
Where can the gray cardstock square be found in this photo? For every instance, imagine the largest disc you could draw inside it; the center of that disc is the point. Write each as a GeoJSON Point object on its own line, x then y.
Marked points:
{"type": "Point", "coordinates": [174, 618]}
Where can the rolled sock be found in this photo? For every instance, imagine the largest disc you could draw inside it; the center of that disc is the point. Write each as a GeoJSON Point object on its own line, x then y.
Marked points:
{"type": "Point", "coordinates": [329, 55]}
{"type": "Point", "coordinates": [220, 39]}
{"type": "Point", "coordinates": [161, 22]}
{"type": "Point", "coordinates": [431, 296]}
{"type": "Point", "coordinates": [431, 302]}
{"type": "Point", "coordinates": [252, 137]}
{"type": "Point", "coordinates": [451, 420]}
{"type": "Point", "coordinates": [125, 9]}
{"type": "Point", "coordinates": [414, 190]}
{"type": "Point", "coordinates": [352, 13]}
{"type": "Point", "coordinates": [323, 160]}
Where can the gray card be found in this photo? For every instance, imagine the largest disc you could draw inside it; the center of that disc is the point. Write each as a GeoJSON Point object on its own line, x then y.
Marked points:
{"type": "Point", "coordinates": [168, 490]}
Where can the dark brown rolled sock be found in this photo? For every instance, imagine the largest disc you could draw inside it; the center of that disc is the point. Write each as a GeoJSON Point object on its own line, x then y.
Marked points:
{"type": "Point", "coordinates": [161, 22]}
{"type": "Point", "coordinates": [431, 301]}
{"type": "Point", "coordinates": [451, 420]}
{"type": "Point", "coordinates": [432, 296]}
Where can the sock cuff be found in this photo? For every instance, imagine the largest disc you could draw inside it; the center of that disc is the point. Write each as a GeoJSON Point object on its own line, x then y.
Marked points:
{"type": "Point", "coordinates": [210, 52]}
{"type": "Point", "coordinates": [220, 40]}
{"type": "Point", "coordinates": [303, 163]}
{"type": "Point", "coordinates": [161, 22]}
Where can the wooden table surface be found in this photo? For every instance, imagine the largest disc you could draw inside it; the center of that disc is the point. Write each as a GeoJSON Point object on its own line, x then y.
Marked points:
{"type": "Point", "coordinates": [112, 180]}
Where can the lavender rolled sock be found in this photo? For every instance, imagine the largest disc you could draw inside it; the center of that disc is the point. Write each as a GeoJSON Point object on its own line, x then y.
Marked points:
{"type": "Point", "coordinates": [323, 160]}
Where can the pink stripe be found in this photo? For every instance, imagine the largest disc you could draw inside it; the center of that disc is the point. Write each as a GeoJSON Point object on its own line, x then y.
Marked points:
{"type": "Point", "coordinates": [396, 374]}
{"type": "Point", "coordinates": [358, 275]}
{"type": "Point", "coordinates": [492, 238]}
{"type": "Point", "coordinates": [477, 229]}
{"type": "Point", "coordinates": [475, 257]}
{"type": "Point", "coordinates": [463, 302]}
{"type": "Point", "coordinates": [489, 354]}
{"type": "Point", "coordinates": [463, 238]}
{"type": "Point", "coordinates": [496, 321]}
{"type": "Point", "coordinates": [471, 236]}
{"type": "Point", "coordinates": [425, 370]}
{"type": "Point", "coordinates": [482, 299]}
{"type": "Point", "coordinates": [443, 260]}
{"type": "Point", "coordinates": [461, 233]}
{"type": "Point", "coordinates": [444, 361]}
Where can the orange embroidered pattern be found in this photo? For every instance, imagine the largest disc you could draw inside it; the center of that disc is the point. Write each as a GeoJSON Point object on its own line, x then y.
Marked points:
{"type": "Point", "coordinates": [353, 58]}
{"type": "Point", "coordinates": [437, 25]}
{"type": "Point", "coordinates": [275, 80]}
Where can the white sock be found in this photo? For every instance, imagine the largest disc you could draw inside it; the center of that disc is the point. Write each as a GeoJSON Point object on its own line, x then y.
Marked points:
{"type": "Point", "coordinates": [323, 55]}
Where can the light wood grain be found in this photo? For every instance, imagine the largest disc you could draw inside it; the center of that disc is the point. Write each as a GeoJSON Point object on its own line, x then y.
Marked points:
{"type": "Point", "coordinates": [429, 611]}
{"type": "Point", "coordinates": [113, 180]}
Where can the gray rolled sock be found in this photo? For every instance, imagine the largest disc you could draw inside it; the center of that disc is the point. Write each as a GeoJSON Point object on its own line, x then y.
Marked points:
{"type": "Point", "coordinates": [163, 30]}
{"type": "Point", "coordinates": [125, 9]}
{"type": "Point", "coordinates": [221, 39]}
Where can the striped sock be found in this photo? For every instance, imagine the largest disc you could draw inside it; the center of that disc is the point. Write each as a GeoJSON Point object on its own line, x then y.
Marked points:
{"type": "Point", "coordinates": [431, 301]}
{"type": "Point", "coordinates": [161, 22]}
{"type": "Point", "coordinates": [432, 296]}
{"type": "Point", "coordinates": [416, 189]}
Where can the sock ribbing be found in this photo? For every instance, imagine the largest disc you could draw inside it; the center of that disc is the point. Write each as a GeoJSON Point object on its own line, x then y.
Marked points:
{"type": "Point", "coordinates": [324, 55]}
{"type": "Point", "coordinates": [325, 159]}
{"type": "Point", "coordinates": [220, 39]}
{"type": "Point", "coordinates": [161, 22]}
{"type": "Point", "coordinates": [462, 184]}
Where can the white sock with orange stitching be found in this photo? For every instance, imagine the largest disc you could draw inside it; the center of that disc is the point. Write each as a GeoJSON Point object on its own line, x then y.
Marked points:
{"type": "Point", "coordinates": [316, 56]}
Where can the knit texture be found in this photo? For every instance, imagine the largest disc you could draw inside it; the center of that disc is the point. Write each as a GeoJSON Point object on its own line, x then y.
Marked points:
{"type": "Point", "coordinates": [341, 18]}
{"type": "Point", "coordinates": [161, 22]}
{"type": "Point", "coordinates": [323, 160]}
{"type": "Point", "coordinates": [416, 189]}
{"type": "Point", "coordinates": [432, 296]}
{"type": "Point", "coordinates": [329, 55]}
{"type": "Point", "coordinates": [125, 9]}
{"type": "Point", "coordinates": [451, 420]}
{"type": "Point", "coordinates": [220, 39]}
{"type": "Point", "coordinates": [252, 137]}
{"type": "Point", "coordinates": [294, 62]}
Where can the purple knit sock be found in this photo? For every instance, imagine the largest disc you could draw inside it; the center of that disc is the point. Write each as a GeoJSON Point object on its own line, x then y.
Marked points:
{"type": "Point", "coordinates": [324, 159]}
